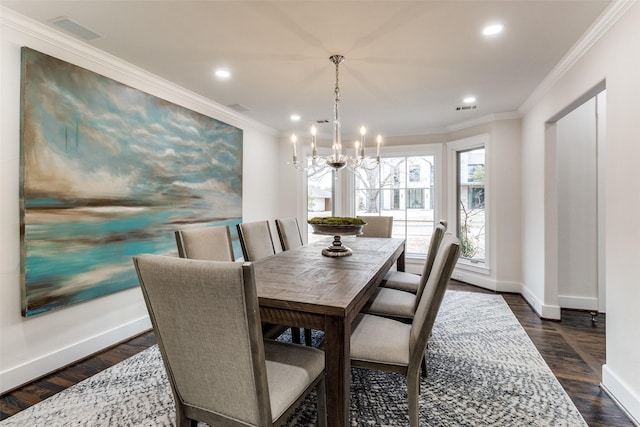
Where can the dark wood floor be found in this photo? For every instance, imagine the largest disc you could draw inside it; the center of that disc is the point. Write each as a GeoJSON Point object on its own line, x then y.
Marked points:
{"type": "Point", "coordinates": [573, 349]}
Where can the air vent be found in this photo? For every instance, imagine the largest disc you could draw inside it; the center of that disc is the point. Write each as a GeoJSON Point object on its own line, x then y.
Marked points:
{"type": "Point", "coordinates": [322, 121]}
{"type": "Point", "coordinates": [466, 107]}
{"type": "Point", "coordinates": [75, 29]}
{"type": "Point", "coordinates": [239, 108]}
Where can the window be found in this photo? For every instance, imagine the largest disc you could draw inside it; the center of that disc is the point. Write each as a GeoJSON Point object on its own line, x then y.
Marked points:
{"type": "Point", "coordinates": [319, 198]}
{"type": "Point", "coordinates": [469, 198]}
{"type": "Point", "coordinates": [402, 187]}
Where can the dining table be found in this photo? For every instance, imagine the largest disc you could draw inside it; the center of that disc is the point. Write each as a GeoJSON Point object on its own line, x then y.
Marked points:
{"type": "Point", "coordinates": [303, 288]}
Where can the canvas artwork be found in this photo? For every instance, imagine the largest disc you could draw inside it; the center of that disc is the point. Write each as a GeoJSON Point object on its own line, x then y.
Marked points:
{"type": "Point", "coordinates": [109, 172]}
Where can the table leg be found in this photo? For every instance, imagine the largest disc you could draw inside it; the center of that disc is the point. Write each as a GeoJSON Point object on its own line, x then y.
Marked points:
{"type": "Point", "coordinates": [337, 339]}
{"type": "Point", "coordinates": [400, 262]}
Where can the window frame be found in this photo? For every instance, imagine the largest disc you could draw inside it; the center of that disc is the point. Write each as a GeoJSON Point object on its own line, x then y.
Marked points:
{"type": "Point", "coordinates": [453, 148]}
{"type": "Point", "coordinates": [433, 149]}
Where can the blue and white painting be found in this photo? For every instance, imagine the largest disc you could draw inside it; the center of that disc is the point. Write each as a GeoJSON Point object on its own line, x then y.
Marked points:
{"type": "Point", "coordinates": [109, 172]}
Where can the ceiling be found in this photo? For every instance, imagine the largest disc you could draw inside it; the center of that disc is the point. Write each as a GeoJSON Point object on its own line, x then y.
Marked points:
{"type": "Point", "coordinates": [408, 64]}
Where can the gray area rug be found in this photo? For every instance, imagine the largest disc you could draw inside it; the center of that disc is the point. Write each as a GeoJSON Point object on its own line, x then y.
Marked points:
{"type": "Point", "coordinates": [483, 371]}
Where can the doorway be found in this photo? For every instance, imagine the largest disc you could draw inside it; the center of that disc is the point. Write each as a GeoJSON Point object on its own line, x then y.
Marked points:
{"type": "Point", "coordinates": [579, 199]}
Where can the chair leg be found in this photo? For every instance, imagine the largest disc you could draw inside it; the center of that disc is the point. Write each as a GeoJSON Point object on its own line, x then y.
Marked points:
{"type": "Point", "coordinates": [322, 403]}
{"type": "Point", "coordinates": [413, 392]}
{"type": "Point", "coordinates": [295, 335]}
{"type": "Point", "coordinates": [182, 420]}
{"type": "Point", "coordinates": [307, 337]}
{"type": "Point", "coordinates": [423, 366]}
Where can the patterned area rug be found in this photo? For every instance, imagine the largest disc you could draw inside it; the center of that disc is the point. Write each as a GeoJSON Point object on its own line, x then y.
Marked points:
{"type": "Point", "coordinates": [483, 371]}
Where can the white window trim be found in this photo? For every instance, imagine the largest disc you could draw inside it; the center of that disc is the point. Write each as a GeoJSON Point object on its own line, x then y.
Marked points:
{"type": "Point", "coordinates": [453, 148]}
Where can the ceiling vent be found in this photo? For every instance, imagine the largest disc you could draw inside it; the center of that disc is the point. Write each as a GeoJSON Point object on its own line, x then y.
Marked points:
{"type": "Point", "coordinates": [322, 121]}
{"type": "Point", "coordinates": [466, 107]}
{"type": "Point", "coordinates": [239, 108]}
{"type": "Point", "coordinates": [75, 29]}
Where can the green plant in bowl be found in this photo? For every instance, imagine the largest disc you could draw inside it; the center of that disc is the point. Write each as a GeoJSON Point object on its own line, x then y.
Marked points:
{"type": "Point", "coordinates": [336, 220]}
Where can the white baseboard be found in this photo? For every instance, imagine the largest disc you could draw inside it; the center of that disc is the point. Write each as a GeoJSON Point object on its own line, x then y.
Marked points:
{"type": "Point", "coordinates": [625, 398]}
{"type": "Point", "coordinates": [578, 303]}
{"type": "Point", "coordinates": [33, 369]}
{"type": "Point", "coordinates": [545, 311]}
{"type": "Point", "coordinates": [485, 282]}
{"type": "Point", "coordinates": [512, 287]}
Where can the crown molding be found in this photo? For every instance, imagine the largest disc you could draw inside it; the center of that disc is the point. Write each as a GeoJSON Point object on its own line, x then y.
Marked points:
{"type": "Point", "coordinates": [596, 31]}
{"type": "Point", "coordinates": [123, 71]}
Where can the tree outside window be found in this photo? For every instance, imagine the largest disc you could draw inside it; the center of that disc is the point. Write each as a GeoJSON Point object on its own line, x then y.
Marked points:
{"type": "Point", "coordinates": [471, 212]}
{"type": "Point", "coordinates": [401, 187]}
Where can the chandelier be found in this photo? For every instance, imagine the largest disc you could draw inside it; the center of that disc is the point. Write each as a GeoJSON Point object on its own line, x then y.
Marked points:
{"type": "Point", "coordinates": [338, 159]}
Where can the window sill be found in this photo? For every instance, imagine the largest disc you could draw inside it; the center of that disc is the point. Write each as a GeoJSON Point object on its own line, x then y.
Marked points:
{"type": "Point", "coordinates": [479, 268]}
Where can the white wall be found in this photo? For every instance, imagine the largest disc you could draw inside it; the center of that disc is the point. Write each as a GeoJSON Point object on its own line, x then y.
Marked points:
{"type": "Point", "coordinates": [31, 347]}
{"type": "Point", "coordinates": [576, 166]}
{"type": "Point", "coordinates": [503, 157]}
{"type": "Point", "coordinates": [292, 184]}
{"type": "Point", "coordinates": [613, 58]}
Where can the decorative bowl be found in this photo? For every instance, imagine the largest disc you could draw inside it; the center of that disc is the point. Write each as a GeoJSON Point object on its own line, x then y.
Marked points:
{"type": "Point", "coordinates": [338, 230]}
{"type": "Point", "coordinates": [336, 227]}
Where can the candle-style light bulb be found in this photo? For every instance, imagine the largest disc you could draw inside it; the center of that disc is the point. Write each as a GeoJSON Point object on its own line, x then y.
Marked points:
{"type": "Point", "coordinates": [314, 150]}
{"type": "Point", "coordinates": [363, 131]}
{"type": "Point", "coordinates": [294, 139]}
{"type": "Point", "coordinates": [356, 145]}
{"type": "Point", "coordinates": [379, 142]}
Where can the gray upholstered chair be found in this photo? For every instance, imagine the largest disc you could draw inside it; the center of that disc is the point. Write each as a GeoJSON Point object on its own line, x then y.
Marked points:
{"type": "Point", "coordinates": [257, 243]}
{"type": "Point", "coordinates": [207, 321]}
{"type": "Point", "coordinates": [410, 282]}
{"type": "Point", "coordinates": [377, 226]}
{"type": "Point", "coordinates": [205, 243]}
{"type": "Point", "coordinates": [402, 304]}
{"type": "Point", "coordinates": [214, 244]}
{"type": "Point", "coordinates": [385, 344]}
{"type": "Point", "coordinates": [255, 240]}
{"type": "Point", "coordinates": [289, 233]}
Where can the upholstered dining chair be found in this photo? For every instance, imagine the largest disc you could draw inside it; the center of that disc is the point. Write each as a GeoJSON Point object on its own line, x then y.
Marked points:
{"type": "Point", "coordinates": [226, 375]}
{"type": "Point", "coordinates": [205, 243]}
{"type": "Point", "coordinates": [402, 304]}
{"type": "Point", "coordinates": [257, 243]}
{"type": "Point", "coordinates": [410, 282]}
{"type": "Point", "coordinates": [255, 240]}
{"type": "Point", "coordinates": [214, 244]}
{"type": "Point", "coordinates": [385, 344]}
{"type": "Point", "coordinates": [289, 233]}
{"type": "Point", "coordinates": [377, 226]}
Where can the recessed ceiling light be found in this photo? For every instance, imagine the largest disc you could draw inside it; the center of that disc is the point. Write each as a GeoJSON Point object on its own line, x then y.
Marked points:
{"type": "Point", "coordinates": [222, 73]}
{"type": "Point", "coordinates": [295, 117]}
{"type": "Point", "coordinates": [469, 99]}
{"type": "Point", "coordinates": [493, 29]}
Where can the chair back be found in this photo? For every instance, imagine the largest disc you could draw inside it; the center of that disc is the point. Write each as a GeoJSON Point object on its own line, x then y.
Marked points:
{"type": "Point", "coordinates": [255, 240]}
{"type": "Point", "coordinates": [377, 226]}
{"type": "Point", "coordinates": [434, 244]}
{"type": "Point", "coordinates": [205, 243]}
{"type": "Point", "coordinates": [206, 318]}
{"type": "Point", "coordinates": [429, 304]}
{"type": "Point", "coordinates": [289, 233]}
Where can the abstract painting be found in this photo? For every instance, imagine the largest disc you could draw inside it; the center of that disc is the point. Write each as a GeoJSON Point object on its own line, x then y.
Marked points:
{"type": "Point", "coordinates": [108, 172]}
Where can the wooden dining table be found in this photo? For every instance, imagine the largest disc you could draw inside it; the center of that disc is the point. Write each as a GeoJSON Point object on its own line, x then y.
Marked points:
{"type": "Point", "coordinates": [303, 288]}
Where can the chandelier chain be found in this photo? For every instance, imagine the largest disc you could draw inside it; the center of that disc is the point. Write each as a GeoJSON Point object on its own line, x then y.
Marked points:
{"type": "Point", "coordinates": [338, 159]}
